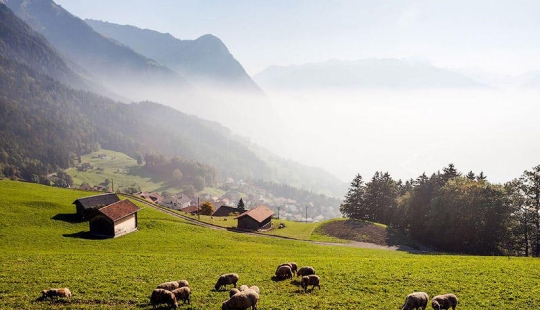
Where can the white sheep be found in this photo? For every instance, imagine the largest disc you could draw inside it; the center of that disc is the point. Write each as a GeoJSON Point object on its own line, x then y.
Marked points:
{"type": "Point", "coordinates": [445, 302]}
{"type": "Point", "coordinates": [242, 300]}
{"type": "Point", "coordinates": [56, 292]}
{"type": "Point", "coordinates": [169, 286]}
{"type": "Point", "coordinates": [416, 300]}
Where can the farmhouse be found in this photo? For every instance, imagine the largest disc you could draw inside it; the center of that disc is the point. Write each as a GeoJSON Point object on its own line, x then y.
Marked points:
{"type": "Point", "coordinates": [255, 219]}
{"type": "Point", "coordinates": [88, 205]}
{"type": "Point", "coordinates": [114, 220]}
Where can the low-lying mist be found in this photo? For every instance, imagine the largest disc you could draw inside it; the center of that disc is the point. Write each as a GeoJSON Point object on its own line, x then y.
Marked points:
{"type": "Point", "coordinates": [404, 132]}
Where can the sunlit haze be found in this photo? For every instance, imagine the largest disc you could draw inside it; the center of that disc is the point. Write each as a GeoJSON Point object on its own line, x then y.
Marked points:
{"type": "Point", "coordinates": [493, 128]}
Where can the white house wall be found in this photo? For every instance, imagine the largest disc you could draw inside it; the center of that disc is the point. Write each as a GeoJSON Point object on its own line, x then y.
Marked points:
{"type": "Point", "coordinates": [125, 225]}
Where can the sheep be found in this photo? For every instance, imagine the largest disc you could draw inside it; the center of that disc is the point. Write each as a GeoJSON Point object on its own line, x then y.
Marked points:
{"type": "Point", "coordinates": [242, 300]}
{"type": "Point", "coordinates": [293, 265]}
{"type": "Point", "coordinates": [183, 293]}
{"type": "Point", "coordinates": [255, 288]}
{"type": "Point", "coordinates": [305, 271]}
{"type": "Point", "coordinates": [169, 286]}
{"type": "Point", "coordinates": [243, 287]}
{"type": "Point", "coordinates": [224, 279]}
{"type": "Point", "coordinates": [416, 300]}
{"type": "Point", "coordinates": [284, 272]}
{"type": "Point", "coordinates": [161, 296]}
{"type": "Point", "coordinates": [445, 301]}
{"type": "Point", "coordinates": [233, 291]}
{"type": "Point", "coordinates": [311, 280]}
{"type": "Point", "coordinates": [56, 292]}
{"type": "Point", "coordinates": [182, 283]}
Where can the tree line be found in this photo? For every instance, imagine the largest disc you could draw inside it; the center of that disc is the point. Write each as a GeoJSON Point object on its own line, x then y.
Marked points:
{"type": "Point", "coordinates": [454, 212]}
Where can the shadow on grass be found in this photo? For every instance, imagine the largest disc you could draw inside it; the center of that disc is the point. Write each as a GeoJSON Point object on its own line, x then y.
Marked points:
{"type": "Point", "coordinates": [68, 217]}
{"type": "Point", "coordinates": [84, 235]}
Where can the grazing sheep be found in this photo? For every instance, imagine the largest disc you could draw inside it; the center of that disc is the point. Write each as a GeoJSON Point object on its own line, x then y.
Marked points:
{"type": "Point", "coordinates": [416, 300]}
{"type": "Point", "coordinates": [284, 272]}
{"type": "Point", "coordinates": [224, 279]}
{"type": "Point", "coordinates": [233, 291]}
{"type": "Point", "coordinates": [56, 292]}
{"type": "Point", "coordinates": [311, 280]}
{"type": "Point", "coordinates": [161, 296]}
{"type": "Point", "coordinates": [242, 300]}
{"type": "Point", "coordinates": [169, 286]}
{"type": "Point", "coordinates": [255, 288]}
{"type": "Point", "coordinates": [293, 265]}
{"type": "Point", "coordinates": [183, 283]}
{"type": "Point", "coordinates": [243, 287]}
{"type": "Point", "coordinates": [183, 293]}
{"type": "Point", "coordinates": [305, 271]}
{"type": "Point", "coordinates": [445, 301]}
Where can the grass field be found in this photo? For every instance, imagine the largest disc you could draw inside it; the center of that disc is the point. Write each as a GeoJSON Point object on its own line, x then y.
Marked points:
{"type": "Point", "coordinates": [41, 247]}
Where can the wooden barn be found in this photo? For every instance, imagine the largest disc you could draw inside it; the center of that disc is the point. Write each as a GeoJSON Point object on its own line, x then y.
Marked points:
{"type": "Point", "coordinates": [226, 211]}
{"type": "Point", "coordinates": [88, 205]}
{"type": "Point", "coordinates": [255, 219]}
{"type": "Point", "coordinates": [114, 220]}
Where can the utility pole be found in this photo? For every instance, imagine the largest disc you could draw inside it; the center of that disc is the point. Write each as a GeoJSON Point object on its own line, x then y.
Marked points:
{"type": "Point", "coordinates": [278, 213]}
{"type": "Point", "coordinates": [198, 211]}
{"type": "Point", "coordinates": [306, 214]}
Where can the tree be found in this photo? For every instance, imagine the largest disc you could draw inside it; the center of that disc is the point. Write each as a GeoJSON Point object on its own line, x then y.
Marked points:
{"type": "Point", "coordinates": [520, 226]}
{"type": "Point", "coordinates": [471, 176]}
{"type": "Point", "coordinates": [139, 159]}
{"type": "Point", "coordinates": [206, 208]}
{"type": "Point", "coordinates": [353, 204]}
{"type": "Point", "coordinates": [177, 176]}
{"type": "Point", "coordinates": [380, 198]}
{"type": "Point", "coordinates": [199, 183]}
{"type": "Point", "coordinates": [189, 190]}
{"type": "Point", "coordinates": [449, 173]}
{"type": "Point", "coordinates": [530, 181]}
{"type": "Point", "coordinates": [241, 207]}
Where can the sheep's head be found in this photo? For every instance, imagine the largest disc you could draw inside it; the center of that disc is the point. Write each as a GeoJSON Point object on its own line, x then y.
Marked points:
{"type": "Point", "coordinates": [435, 305]}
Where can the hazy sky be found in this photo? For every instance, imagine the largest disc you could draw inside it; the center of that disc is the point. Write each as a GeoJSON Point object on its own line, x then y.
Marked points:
{"type": "Point", "coordinates": [500, 36]}
{"type": "Point", "coordinates": [404, 132]}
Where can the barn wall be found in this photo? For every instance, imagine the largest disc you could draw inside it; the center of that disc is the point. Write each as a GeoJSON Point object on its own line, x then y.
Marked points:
{"type": "Point", "coordinates": [101, 226]}
{"type": "Point", "coordinates": [126, 225]}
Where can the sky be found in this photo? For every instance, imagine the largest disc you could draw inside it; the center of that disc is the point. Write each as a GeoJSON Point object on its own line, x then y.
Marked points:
{"type": "Point", "coordinates": [494, 36]}
{"type": "Point", "coordinates": [403, 132]}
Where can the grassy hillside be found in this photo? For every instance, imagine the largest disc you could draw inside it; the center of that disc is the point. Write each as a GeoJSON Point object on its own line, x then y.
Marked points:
{"type": "Point", "coordinates": [40, 247]}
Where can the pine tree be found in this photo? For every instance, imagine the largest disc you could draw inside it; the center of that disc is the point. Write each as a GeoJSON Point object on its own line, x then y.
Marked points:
{"type": "Point", "coordinates": [241, 206]}
{"type": "Point", "coordinates": [353, 205]}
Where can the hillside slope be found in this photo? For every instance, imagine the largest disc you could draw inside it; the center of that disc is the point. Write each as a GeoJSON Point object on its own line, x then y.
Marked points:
{"type": "Point", "coordinates": [43, 247]}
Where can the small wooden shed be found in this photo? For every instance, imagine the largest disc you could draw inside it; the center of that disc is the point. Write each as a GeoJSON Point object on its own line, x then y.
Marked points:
{"type": "Point", "coordinates": [255, 219]}
{"type": "Point", "coordinates": [114, 220]}
{"type": "Point", "coordinates": [226, 211]}
{"type": "Point", "coordinates": [88, 205]}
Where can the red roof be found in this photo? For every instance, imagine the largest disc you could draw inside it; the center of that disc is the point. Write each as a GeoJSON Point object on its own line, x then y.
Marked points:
{"type": "Point", "coordinates": [259, 214]}
{"type": "Point", "coordinates": [119, 210]}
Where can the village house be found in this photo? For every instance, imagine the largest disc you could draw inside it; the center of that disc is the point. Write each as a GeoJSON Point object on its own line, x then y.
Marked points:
{"type": "Point", "coordinates": [226, 211]}
{"type": "Point", "coordinates": [259, 218]}
{"type": "Point", "coordinates": [88, 205]}
{"type": "Point", "coordinates": [114, 220]}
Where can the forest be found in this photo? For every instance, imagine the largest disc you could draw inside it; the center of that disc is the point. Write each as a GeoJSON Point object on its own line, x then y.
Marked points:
{"type": "Point", "coordinates": [454, 212]}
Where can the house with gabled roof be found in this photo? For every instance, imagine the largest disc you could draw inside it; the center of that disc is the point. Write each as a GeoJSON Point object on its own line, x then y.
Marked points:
{"type": "Point", "coordinates": [114, 220]}
{"type": "Point", "coordinates": [256, 219]}
{"type": "Point", "coordinates": [88, 205]}
{"type": "Point", "coordinates": [226, 211]}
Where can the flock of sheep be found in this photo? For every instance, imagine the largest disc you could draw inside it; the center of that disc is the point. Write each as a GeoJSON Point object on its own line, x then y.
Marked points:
{"type": "Point", "coordinates": [246, 297]}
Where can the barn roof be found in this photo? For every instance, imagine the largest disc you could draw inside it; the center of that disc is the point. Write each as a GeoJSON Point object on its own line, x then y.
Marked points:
{"type": "Point", "coordinates": [225, 211]}
{"type": "Point", "coordinates": [259, 214]}
{"type": "Point", "coordinates": [97, 200]}
{"type": "Point", "coordinates": [119, 210]}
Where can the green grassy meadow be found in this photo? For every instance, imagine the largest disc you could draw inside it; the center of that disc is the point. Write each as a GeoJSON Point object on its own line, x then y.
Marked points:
{"type": "Point", "coordinates": [41, 247]}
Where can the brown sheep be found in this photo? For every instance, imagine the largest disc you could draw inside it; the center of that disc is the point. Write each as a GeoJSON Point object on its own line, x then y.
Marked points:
{"type": "Point", "coordinates": [311, 280]}
{"type": "Point", "coordinates": [224, 279]}
{"type": "Point", "coordinates": [284, 272]}
{"type": "Point", "coordinates": [416, 300]}
{"type": "Point", "coordinates": [183, 293]}
{"type": "Point", "coordinates": [445, 302]}
{"type": "Point", "coordinates": [183, 283]}
{"type": "Point", "coordinates": [242, 300]}
{"type": "Point", "coordinates": [233, 291]}
{"type": "Point", "coordinates": [305, 271]}
{"type": "Point", "coordinates": [169, 286]}
{"type": "Point", "coordinates": [161, 296]}
{"type": "Point", "coordinates": [56, 292]}
{"type": "Point", "coordinates": [293, 265]}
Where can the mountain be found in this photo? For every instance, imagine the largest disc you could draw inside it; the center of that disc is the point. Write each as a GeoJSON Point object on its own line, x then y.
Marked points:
{"type": "Point", "coordinates": [367, 73]}
{"type": "Point", "coordinates": [19, 42]}
{"type": "Point", "coordinates": [113, 64]}
{"type": "Point", "coordinates": [203, 61]}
